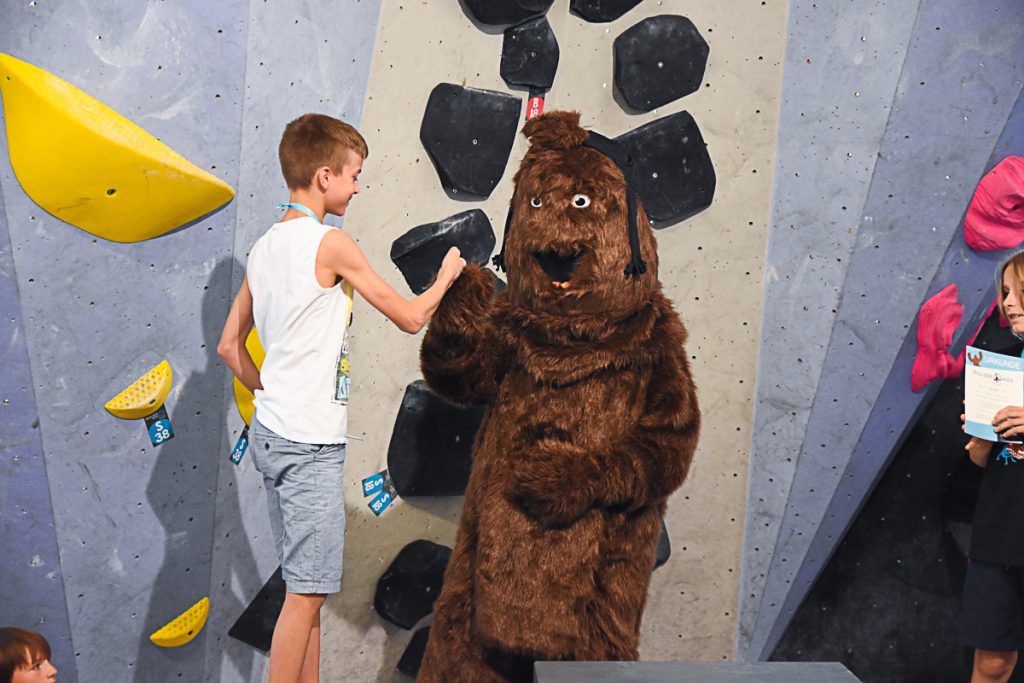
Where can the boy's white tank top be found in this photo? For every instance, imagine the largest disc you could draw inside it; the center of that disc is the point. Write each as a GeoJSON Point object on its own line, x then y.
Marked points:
{"type": "Point", "coordinates": [303, 329]}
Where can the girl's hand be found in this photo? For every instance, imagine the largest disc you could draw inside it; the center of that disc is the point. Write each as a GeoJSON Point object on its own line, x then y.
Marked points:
{"type": "Point", "coordinates": [1009, 421]}
{"type": "Point", "coordinates": [978, 450]}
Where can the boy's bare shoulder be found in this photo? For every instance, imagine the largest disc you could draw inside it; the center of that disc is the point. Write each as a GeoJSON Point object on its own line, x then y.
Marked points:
{"type": "Point", "coordinates": [339, 238]}
{"type": "Point", "coordinates": [339, 246]}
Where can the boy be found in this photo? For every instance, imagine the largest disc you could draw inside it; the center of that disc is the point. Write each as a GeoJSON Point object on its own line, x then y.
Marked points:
{"type": "Point", "coordinates": [298, 293]}
{"type": "Point", "coordinates": [25, 657]}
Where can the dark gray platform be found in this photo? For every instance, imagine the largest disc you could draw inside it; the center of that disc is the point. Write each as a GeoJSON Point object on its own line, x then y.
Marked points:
{"type": "Point", "coordinates": [695, 672]}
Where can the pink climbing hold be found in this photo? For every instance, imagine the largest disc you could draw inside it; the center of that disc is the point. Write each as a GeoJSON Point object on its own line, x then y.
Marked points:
{"type": "Point", "coordinates": [936, 323]}
{"type": "Point", "coordinates": [995, 217]}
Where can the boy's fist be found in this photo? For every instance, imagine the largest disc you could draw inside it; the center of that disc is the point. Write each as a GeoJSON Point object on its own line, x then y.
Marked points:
{"type": "Point", "coordinates": [452, 265]}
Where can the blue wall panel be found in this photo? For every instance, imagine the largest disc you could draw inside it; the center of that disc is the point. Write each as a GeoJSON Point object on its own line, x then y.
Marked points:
{"type": "Point", "coordinates": [134, 523]}
{"type": "Point", "coordinates": [896, 410]}
{"type": "Point", "coordinates": [33, 591]}
{"type": "Point", "coordinates": [841, 71]}
{"type": "Point", "coordinates": [961, 77]}
{"type": "Point", "coordinates": [300, 57]}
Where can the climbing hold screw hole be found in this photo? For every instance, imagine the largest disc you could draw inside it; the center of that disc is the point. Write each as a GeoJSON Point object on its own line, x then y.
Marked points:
{"type": "Point", "coordinates": [111, 192]}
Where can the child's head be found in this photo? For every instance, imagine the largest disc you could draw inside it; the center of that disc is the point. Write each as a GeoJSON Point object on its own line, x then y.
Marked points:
{"type": "Point", "coordinates": [24, 657]}
{"type": "Point", "coordinates": [1010, 285]}
{"type": "Point", "coordinates": [315, 141]}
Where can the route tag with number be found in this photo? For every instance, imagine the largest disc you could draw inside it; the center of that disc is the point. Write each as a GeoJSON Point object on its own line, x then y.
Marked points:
{"type": "Point", "coordinates": [240, 446]}
{"type": "Point", "coordinates": [375, 483]}
{"type": "Point", "coordinates": [381, 502]}
{"type": "Point", "coordinates": [159, 426]}
{"type": "Point", "coordinates": [381, 485]}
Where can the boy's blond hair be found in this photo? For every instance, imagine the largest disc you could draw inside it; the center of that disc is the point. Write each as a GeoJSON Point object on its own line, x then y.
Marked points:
{"type": "Point", "coordinates": [315, 140]}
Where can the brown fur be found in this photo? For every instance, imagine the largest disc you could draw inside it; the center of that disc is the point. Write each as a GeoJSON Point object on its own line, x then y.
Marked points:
{"type": "Point", "coordinates": [592, 424]}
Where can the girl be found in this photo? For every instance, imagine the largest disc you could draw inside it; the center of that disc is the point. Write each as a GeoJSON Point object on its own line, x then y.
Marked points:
{"type": "Point", "coordinates": [992, 616]}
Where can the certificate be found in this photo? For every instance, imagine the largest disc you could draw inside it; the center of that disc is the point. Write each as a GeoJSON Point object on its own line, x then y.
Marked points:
{"type": "Point", "coordinates": [992, 381]}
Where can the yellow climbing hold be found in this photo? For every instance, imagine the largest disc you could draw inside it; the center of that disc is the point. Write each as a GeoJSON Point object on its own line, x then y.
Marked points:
{"type": "Point", "coordinates": [89, 166]}
{"type": "Point", "coordinates": [244, 398]}
{"type": "Point", "coordinates": [144, 396]}
{"type": "Point", "coordinates": [185, 627]}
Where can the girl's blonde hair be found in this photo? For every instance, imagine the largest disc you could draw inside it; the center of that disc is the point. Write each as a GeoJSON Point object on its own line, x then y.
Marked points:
{"type": "Point", "coordinates": [1015, 264]}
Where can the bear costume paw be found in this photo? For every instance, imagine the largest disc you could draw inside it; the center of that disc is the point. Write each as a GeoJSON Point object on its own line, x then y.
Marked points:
{"type": "Point", "coordinates": [554, 482]}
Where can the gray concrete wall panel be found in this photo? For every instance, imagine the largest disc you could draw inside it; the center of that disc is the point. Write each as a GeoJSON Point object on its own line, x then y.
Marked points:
{"type": "Point", "coordinates": [711, 265]}
{"type": "Point", "coordinates": [33, 591]}
{"type": "Point", "coordinates": [299, 57]}
{"type": "Point", "coordinates": [897, 408]}
{"type": "Point", "coordinates": [134, 523]}
{"type": "Point", "coordinates": [841, 70]}
{"type": "Point", "coordinates": [961, 77]}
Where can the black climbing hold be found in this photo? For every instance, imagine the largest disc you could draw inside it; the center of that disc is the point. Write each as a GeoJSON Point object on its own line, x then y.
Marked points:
{"type": "Point", "coordinates": [407, 589]}
{"type": "Point", "coordinates": [432, 444]}
{"type": "Point", "coordinates": [498, 12]}
{"type": "Point", "coordinates": [659, 60]}
{"type": "Point", "coordinates": [664, 547]}
{"type": "Point", "coordinates": [409, 663]}
{"type": "Point", "coordinates": [419, 252]}
{"type": "Point", "coordinates": [529, 55]}
{"type": "Point", "coordinates": [600, 11]}
{"type": "Point", "coordinates": [672, 170]}
{"type": "Point", "coordinates": [255, 627]}
{"type": "Point", "coordinates": [468, 134]}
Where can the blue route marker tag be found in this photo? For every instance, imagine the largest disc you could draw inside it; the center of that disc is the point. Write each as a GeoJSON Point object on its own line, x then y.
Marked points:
{"type": "Point", "coordinates": [373, 484]}
{"type": "Point", "coordinates": [241, 446]}
{"type": "Point", "coordinates": [159, 426]}
{"type": "Point", "coordinates": [381, 502]}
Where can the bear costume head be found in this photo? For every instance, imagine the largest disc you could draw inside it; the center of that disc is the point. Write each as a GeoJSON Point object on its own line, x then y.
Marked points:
{"type": "Point", "coordinates": [567, 244]}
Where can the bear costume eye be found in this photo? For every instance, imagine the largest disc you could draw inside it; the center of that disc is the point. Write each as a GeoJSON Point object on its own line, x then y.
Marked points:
{"type": "Point", "coordinates": [536, 202]}
{"type": "Point", "coordinates": [581, 201]}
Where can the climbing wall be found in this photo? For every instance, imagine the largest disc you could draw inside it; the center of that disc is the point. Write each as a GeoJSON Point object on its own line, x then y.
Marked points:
{"type": "Point", "coordinates": [843, 145]}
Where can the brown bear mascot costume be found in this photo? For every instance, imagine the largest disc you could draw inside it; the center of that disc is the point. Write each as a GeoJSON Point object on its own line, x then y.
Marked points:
{"type": "Point", "coordinates": [592, 421]}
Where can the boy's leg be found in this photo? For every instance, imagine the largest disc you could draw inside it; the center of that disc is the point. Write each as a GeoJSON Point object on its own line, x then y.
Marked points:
{"type": "Point", "coordinates": [309, 484]}
{"type": "Point", "coordinates": [311, 666]}
{"type": "Point", "coordinates": [292, 634]}
{"type": "Point", "coordinates": [993, 667]}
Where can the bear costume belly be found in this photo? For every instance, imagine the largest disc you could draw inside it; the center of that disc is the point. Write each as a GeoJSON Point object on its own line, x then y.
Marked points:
{"type": "Point", "coordinates": [526, 572]}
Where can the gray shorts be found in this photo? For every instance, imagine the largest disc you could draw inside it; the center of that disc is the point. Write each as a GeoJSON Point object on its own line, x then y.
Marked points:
{"type": "Point", "coordinates": [306, 501]}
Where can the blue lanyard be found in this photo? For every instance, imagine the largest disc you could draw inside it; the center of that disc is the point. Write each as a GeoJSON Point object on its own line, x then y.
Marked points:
{"type": "Point", "coordinates": [299, 207]}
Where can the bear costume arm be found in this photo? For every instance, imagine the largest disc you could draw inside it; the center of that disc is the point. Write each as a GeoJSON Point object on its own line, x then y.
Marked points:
{"type": "Point", "coordinates": [639, 470]}
{"type": "Point", "coordinates": [460, 353]}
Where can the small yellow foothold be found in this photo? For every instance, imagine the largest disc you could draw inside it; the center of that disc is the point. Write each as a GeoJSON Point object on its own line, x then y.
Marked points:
{"type": "Point", "coordinates": [185, 627]}
{"type": "Point", "coordinates": [144, 396]}
{"type": "Point", "coordinates": [244, 398]}
{"type": "Point", "coordinates": [89, 166]}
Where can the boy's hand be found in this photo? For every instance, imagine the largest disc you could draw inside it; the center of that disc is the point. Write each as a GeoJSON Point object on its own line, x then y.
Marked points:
{"type": "Point", "coordinates": [451, 267]}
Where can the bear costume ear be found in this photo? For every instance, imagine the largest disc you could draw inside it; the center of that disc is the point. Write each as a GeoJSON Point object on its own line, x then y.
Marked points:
{"type": "Point", "coordinates": [554, 131]}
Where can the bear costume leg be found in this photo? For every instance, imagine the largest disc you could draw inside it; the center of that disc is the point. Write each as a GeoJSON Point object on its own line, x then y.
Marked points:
{"type": "Point", "coordinates": [451, 655]}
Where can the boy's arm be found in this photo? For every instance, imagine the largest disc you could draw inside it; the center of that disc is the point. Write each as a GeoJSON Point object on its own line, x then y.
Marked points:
{"type": "Point", "coordinates": [345, 259]}
{"type": "Point", "coordinates": [232, 340]}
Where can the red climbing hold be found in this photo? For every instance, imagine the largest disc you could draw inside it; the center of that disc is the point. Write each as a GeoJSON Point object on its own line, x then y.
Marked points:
{"type": "Point", "coordinates": [936, 322]}
{"type": "Point", "coordinates": [995, 217]}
